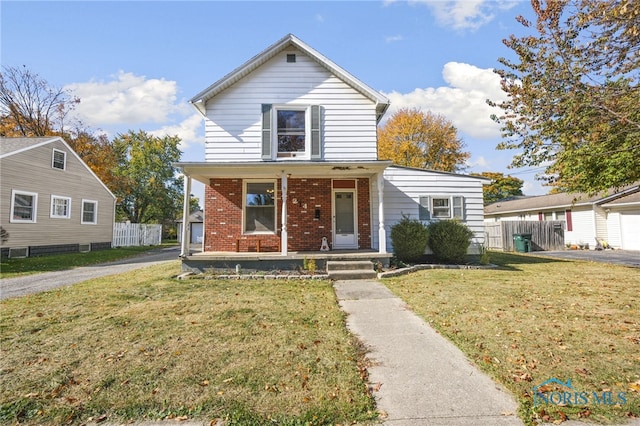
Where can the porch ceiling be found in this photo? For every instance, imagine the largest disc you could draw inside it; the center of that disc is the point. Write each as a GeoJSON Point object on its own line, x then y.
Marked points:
{"type": "Point", "coordinates": [203, 172]}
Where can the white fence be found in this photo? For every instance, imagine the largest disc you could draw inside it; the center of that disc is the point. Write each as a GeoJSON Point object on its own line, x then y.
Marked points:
{"type": "Point", "coordinates": [136, 234]}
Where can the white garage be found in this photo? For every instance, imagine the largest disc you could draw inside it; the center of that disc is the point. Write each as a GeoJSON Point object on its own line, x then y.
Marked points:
{"type": "Point", "coordinates": [630, 229]}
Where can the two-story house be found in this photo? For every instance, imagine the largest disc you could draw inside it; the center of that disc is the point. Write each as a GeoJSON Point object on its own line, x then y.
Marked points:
{"type": "Point", "coordinates": [291, 161]}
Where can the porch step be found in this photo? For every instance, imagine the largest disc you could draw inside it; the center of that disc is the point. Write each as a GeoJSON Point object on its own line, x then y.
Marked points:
{"type": "Point", "coordinates": [350, 270]}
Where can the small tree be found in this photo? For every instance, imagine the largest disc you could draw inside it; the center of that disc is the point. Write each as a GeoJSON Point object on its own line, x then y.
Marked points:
{"type": "Point", "coordinates": [409, 238]}
{"type": "Point", "coordinates": [449, 240]}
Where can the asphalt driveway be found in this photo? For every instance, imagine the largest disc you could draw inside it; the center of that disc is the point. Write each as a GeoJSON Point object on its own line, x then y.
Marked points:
{"type": "Point", "coordinates": [29, 284]}
{"type": "Point", "coordinates": [616, 257]}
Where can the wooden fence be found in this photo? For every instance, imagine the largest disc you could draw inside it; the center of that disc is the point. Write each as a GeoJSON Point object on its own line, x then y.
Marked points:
{"type": "Point", "coordinates": [545, 235]}
{"type": "Point", "coordinates": [136, 234]}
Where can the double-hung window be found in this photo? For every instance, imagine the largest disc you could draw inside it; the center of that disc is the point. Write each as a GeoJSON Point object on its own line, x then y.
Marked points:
{"type": "Point", "coordinates": [23, 206]}
{"type": "Point", "coordinates": [260, 207]}
{"type": "Point", "coordinates": [89, 212]}
{"type": "Point", "coordinates": [60, 207]}
{"type": "Point", "coordinates": [59, 159]}
{"type": "Point", "coordinates": [291, 132]}
{"type": "Point", "coordinates": [441, 207]}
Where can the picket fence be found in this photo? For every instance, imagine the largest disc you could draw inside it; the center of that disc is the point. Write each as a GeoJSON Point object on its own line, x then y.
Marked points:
{"type": "Point", "coordinates": [136, 234]}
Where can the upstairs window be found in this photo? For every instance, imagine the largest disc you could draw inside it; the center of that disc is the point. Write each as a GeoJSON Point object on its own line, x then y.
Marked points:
{"type": "Point", "coordinates": [60, 207]}
{"type": "Point", "coordinates": [59, 160]}
{"type": "Point", "coordinates": [23, 207]}
{"type": "Point", "coordinates": [291, 132]}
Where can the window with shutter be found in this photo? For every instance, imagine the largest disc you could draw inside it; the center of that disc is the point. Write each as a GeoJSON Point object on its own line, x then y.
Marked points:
{"type": "Point", "coordinates": [291, 132]}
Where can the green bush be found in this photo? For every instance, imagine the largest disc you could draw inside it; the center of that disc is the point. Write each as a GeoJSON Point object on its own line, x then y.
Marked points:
{"type": "Point", "coordinates": [449, 240]}
{"type": "Point", "coordinates": [409, 238]}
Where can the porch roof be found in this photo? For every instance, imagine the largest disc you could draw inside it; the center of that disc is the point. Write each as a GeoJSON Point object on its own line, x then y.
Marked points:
{"type": "Point", "coordinates": [203, 171]}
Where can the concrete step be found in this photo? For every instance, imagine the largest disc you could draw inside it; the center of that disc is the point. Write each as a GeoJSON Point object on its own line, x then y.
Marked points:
{"type": "Point", "coordinates": [349, 265]}
{"type": "Point", "coordinates": [353, 274]}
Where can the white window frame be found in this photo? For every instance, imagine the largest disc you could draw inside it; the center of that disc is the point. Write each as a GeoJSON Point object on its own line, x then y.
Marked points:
{"type": "Point", "coordinates": [34, 207]}
{"type": "Point", "coordinates": [456, 207]}
{"type": "Point", "coordinates": [306, 155]}
{"type": "Point", "coordinates": [64, 159]}
{"type": "Point", "coordinates": [95, 212]}
{"type": "Point", "coordinates": [245, 183]}
{"type": "Point", "coordinates": [53, 214]}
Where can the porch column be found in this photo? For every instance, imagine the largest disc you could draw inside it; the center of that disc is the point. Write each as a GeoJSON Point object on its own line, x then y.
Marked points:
{"type": "Point", "coordinates": [283, 234]}
{"type": "Point", "coordinates": [382, 234]}
{"type": "Point", "coordinates": [184, 247]}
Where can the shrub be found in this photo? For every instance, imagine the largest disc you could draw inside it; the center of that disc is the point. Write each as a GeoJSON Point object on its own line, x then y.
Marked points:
{"type": "Point", "coordinates": [409, 238]}
{"type": "Point", "coordinates": [449, 240]}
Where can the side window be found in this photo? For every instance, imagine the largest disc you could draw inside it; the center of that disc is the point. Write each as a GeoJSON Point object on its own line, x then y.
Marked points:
{"type": "Point", "coordinates": [60, 207]}
{"type": "Point", "coordinates": [438, 207]}
{"type": "Point", "coordinates": [89, 212]}
{"type": "Point", "coordinates": [23, 207]}
{"type": "Point", "coordinates": [59, 160]}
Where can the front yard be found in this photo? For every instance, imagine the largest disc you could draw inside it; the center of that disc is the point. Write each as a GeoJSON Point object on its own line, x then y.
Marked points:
{"type": "Point", "coordinates": [148, 346]}
{"type": "Point", "coordinates": [535, 319]}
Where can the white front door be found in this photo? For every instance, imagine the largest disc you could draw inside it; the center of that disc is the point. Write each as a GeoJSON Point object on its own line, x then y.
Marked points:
{"type": "Point", "coordinates": [344, 219]}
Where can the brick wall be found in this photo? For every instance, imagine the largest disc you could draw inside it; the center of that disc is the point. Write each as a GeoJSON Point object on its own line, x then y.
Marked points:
{"type": "Point", "coordinates": [306, 227]}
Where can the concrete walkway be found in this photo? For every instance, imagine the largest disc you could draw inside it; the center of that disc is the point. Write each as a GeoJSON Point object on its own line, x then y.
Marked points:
{"type": "Point", "coordinates": [419, 377]}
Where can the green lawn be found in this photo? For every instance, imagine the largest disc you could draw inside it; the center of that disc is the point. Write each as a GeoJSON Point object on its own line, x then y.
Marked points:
{"type": "Point", "coordinates": [534, 319]}
{"type": "Point", "coordinates": [148, 346]}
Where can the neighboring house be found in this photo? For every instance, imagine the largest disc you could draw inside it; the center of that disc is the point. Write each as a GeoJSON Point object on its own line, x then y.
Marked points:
{"type": "Point", "coordinates": [51, 201]}
{"type": "Point", "coordinates": [291, 157]}
{"type": "Point", "coordinates": [614, 218]}
{"type": "Point", "coordinates": [196, 227]}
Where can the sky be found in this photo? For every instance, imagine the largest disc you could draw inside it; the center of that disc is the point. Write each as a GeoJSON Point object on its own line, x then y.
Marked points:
{"type": "Point", "coordinates": [135, 64]}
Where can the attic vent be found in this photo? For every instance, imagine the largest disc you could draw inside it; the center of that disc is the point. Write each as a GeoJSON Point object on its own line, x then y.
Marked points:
{"type": "Point", "coordinates": [291, 57]}
{"type": "Point", "coordinates": [18, 252]}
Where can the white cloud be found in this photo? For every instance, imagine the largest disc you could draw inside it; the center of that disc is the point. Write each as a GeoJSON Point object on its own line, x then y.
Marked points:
{"type": "Point", "coordinates": [126, 99]}
{"type": "Point", "coordinates": [319, 18]}
{"type": "Point", "coordinates": [394, 38]}
{"type": "Point", "coordinates": [187, 130]}
{"type": "Point", "coordinates": [463, 14]}
{"type": "Point", "coordinates": [463, 101]}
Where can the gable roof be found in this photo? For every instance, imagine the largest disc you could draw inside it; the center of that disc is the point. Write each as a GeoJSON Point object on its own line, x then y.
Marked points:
{"type": "Point", "coordinates": [199, 100]}
{"type": "Point", "coordinates": [12, 146]}
{"type": "Point", "coordinates": [556, 201]}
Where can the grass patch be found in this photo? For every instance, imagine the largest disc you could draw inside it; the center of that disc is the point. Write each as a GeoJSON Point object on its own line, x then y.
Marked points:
{"type": "Point", "coordinates": [534, 319]}
{"type": "Point", "coordinates": [10, 268]}
{"type": "Point", "coordinates": [147, 346]}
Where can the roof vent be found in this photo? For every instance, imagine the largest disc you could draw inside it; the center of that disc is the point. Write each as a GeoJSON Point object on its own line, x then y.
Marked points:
{"type": "Point", "coordinates": [291, 57]}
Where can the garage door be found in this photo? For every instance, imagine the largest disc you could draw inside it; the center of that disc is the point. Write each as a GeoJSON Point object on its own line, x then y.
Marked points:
{"type": "Point", "coordinates": [630, 223]}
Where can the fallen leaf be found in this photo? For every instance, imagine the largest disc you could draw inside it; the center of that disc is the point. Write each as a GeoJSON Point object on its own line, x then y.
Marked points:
{"type": "Point", "coordinates": [634, 387]}
{"type": "Point", "coordinates": [204, 383]}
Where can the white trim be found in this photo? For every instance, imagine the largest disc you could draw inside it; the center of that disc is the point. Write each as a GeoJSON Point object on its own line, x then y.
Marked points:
{"type": "Point", "coordinates": [34, 213]}
{"type": "Point", "coordinates": [244, 206]}
{"type": "Point", "coordinates": [53, 214]}
{"type": "Point", "coordinates": [82, 221]}
{"type": "Point", "coordinates": [53, 159]}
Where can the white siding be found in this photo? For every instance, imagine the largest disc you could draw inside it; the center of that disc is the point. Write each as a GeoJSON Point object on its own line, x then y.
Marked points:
{"type": "Point", "coordinates": [403, 188]}
{"type": "Point", "coordinates": [630, 224]}
{"type": "Point", "coordinates": [584, 227]}
{"type": "Point", "coordinates": [233, 124]}
{"type": "Point", "coordinates": [614, 229]}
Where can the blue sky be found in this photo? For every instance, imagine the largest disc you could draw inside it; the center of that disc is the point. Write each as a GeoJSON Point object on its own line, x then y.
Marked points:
{"type": "Point", "coordinates": [135, 64]}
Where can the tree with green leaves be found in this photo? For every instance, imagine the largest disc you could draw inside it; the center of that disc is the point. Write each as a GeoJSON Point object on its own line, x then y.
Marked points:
{"type": "Point", "coordinates": [425, 140]}
{"type": "Point", "coordinates": [574, 98]}
{"type": "Point", "coordinates": [501, 187]}
{"type": "Point", "coordinates": [148, 187]}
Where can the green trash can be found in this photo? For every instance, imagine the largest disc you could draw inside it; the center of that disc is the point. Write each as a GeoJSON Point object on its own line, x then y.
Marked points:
{"type": "Point", "coordinates": [522, 242]}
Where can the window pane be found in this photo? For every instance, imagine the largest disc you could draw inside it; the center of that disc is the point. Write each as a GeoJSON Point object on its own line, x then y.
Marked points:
{"type": "Point", "coordinates": [88, 212]}
{"type": "Point", "coordinates": [23, 207]}
{"type": "Point", "coordinates": [441, 207]}
{"type": "Point", "coordinates": [291, 131]}
{"type": "Point", "coordinates": [58, 159]}
{"type": "Point", "coordinates": [260, 210]}
{"type": "Point", "coordinates": [60, 207]}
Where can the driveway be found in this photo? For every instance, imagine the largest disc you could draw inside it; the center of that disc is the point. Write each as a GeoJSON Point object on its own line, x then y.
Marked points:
{"type": "Point", "coordinates": [616, 257]}
{"type": "Point", "coordinates": [29, 284]}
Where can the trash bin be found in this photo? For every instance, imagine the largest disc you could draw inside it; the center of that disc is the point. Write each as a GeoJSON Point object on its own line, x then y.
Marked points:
{"type": "Point", "coordinates": [522, 242]}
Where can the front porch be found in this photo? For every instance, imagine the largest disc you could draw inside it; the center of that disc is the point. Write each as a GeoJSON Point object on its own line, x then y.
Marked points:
{"type": "Point", "coordinates": [226, 262]}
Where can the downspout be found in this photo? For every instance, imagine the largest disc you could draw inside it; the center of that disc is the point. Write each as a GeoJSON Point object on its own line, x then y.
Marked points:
{"type": "Point", "coordinates": [184, 247]}
{"type": "Point", "coordinates": [382, 234]}
{"type": "Point", "coordinates": [284, 233]}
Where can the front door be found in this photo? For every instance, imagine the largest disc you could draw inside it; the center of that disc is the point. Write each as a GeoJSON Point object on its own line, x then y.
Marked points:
{"type": "Point", "coordinates": [344, 219]}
